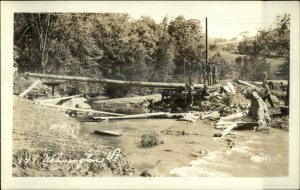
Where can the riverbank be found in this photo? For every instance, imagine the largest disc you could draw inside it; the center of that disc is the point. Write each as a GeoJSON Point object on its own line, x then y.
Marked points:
{"type": "Point", "coordinates": [46, 143]}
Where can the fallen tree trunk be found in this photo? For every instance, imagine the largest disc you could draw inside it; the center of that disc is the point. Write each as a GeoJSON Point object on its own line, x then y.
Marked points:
{"type": "Point", "coordinates": [58, 99]}
{"type": "Point", "coordinates": [137, 116]}
{"type": "Point", "coordinates": [81, 110]}
{"type": "Point", "coordinates": [110, 81]}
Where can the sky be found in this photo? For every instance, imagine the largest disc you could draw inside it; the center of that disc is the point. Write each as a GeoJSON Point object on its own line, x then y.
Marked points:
{"type": "Point", "coordinates": [225, 19]}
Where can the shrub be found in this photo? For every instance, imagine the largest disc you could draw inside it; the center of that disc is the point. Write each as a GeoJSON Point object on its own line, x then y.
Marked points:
{"type": "Point", "coordinates": [150, 139]}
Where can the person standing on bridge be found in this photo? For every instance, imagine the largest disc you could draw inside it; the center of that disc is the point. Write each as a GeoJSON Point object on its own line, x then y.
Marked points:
{"type": "Point", "coordinates": [204, 73]}
{"type": "Point", "coordinates": [209, 74]}
{"type": "Point", "coordinates": [214, 73]}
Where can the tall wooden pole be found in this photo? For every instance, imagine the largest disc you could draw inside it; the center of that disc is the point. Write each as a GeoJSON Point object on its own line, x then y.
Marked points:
{"type": "Point", "coordinates": [206, 52]}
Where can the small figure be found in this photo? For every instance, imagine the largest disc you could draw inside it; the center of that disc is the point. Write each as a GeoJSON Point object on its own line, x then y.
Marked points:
{"type": "Point", "coordinates": [214, 73]}
{"type": "Point", "coordinates": [209, 74]}
{"type": "Point", "coordinates": [267, 94]}
{"type": "Point", "coordinates": [265, 76]}
{"type": "Point", "coordinates": [191, 90]}
{"type": "Point", "coordinates": [204, 73]}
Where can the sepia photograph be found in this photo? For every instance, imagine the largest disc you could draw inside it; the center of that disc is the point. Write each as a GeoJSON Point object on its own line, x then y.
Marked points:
{"type": "Point", "coordinates": [151, 92]}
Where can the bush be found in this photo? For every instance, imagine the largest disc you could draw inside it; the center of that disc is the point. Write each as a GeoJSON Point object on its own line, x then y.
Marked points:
{"type": "Point", "coordinates": [151, 139]}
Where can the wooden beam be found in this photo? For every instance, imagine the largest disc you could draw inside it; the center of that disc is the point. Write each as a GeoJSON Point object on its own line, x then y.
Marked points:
{"type": "Point", "coordinates": [107, 133]}
{"type": "Point", "coordinates": [246, 83]}
{"type": "Point", "coordinates": [110, 81]}
{"type": "Point", "coordinates": [234, 116]}
{"type": "Point", "coordinates": [30, 88]}
{"type": "Point", "coordinates": [136, 116]}
{"type": "Point", "coordinates": [81, 110]}
{"type": "Point", "coordinates": [228, 129]}
{"type": "Point", "coordinates": [58, 99]}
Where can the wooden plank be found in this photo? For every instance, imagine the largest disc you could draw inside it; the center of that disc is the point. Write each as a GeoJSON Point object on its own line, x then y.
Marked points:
{"type": "Point", "coordinates": [110, 81]}
{"type": "Point", "coordinates": [246, 83]}
{"type": "Point", "coordinates": [81, 110]}
{"type": "Point", "coordinates": [214, 114]}
{"type": "Point", "coordinates": [228, 129]}
{"type": "Point", "coordinates": [136, 116]}
{"type": "Point", "coordinates": [234, 116]}
{"type": "Point", "coordinates": [107, 133]}
{"type": "Point", "coordinates": [58, 99]}
{"type": "Point", "coordinates": [231, 87]}
{"type": "Point", "coordinates": [241, 125]}
{"type": "Point", "coordinates": [30, 88]}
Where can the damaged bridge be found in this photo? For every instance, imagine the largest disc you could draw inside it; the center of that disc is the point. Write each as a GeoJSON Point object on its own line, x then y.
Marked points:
{"type": "Point", "coordinates": [110, 81]}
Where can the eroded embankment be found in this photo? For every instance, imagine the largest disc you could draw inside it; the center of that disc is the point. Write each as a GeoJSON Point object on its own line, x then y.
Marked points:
{"type": "Point", "coordinates": [45, 143]}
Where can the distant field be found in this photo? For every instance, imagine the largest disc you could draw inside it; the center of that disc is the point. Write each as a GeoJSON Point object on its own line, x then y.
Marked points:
{"type": "Point", "coordinates": [275, 62]}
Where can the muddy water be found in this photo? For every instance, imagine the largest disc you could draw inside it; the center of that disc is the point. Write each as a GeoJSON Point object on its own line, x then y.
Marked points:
{"type": "Point", "coordinates": [259, 155]}
{"type": "Point", "coordinates": [253, 153]}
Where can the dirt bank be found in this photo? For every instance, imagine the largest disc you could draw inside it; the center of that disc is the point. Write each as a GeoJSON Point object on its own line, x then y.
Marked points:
{"type": "Point", "coordinates": [46, 143]}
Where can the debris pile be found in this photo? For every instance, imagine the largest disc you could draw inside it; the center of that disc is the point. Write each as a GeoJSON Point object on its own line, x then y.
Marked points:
{"type": "Point", "coordinates": [259, 111]}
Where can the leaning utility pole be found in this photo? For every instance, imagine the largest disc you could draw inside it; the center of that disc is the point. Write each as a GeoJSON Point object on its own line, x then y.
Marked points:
{"type": "Point", "coordinates": [206, 52]}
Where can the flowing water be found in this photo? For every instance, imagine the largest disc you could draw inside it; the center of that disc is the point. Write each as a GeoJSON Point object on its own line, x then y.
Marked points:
{"type": "Point", "coordinates": [253, 154]}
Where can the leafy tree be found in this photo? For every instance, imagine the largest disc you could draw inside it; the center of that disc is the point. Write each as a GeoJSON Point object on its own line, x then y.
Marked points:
{"type": "Point", "coordinates": [189, 47]}
{"type": "Point", "coordinates": [163, 66]}
{"type": "Point", "coordinates": [223, 68]}
{"type": "Point", "coordinates": [34, 30]}
{"type": "Point", "coordinates": [274, 41]}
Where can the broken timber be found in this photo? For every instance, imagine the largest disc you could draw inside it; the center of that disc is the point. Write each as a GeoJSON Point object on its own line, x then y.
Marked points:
{"type": "Point", "coordinates": [110, 81]}
{"type": "Point", "coordinates": [30, 88]}
{"type": "Point", "coordinates": [136, 116]}
{"type": "Point", "coordinates": [234, 116]}
{"type": "Point", "coordinates": [81, 110]}
{"type": "Point", "coordinates": [240, 125]}
{"type": "Point", "coordinates": [228, 129]}
{"type": "Point", "coordinates": [58, 99]}
{"type": "Point", "coordinates": [246, 83]}
{"type": "Point", "coordinates": [107, 133]}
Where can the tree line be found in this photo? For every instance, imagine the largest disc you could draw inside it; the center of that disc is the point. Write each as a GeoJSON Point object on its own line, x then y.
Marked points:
{"type": "Point", "coordinates": [259, 51]}
{"type": "Point", "coordinates": [113, 45]}
{"type": "Point", "coordinates": [109, 45]}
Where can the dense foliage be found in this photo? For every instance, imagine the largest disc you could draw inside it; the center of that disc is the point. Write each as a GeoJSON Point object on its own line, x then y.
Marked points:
{"type": "Point", "coordinates": [108, 45]}
{"type": "Point", "coordinates": [118, 47]}
{"type": "Point", "coordinates": [269, 43]}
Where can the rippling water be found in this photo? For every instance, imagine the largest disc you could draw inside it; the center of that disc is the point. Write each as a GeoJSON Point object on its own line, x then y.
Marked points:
{"type": "Point", "coordinates": [261, 155]}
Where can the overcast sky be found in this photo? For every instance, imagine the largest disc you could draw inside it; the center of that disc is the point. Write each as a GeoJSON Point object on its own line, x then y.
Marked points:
{"type": "Point", "coordinates": [225, 19]}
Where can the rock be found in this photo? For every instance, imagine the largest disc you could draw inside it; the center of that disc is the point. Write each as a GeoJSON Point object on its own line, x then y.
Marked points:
{"type": "Point", "coordinates": [259, 111]}
{"type": "Point", "coordinates": [145, 173]}
{"type": "Point", "coordinates": [151, 139]}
